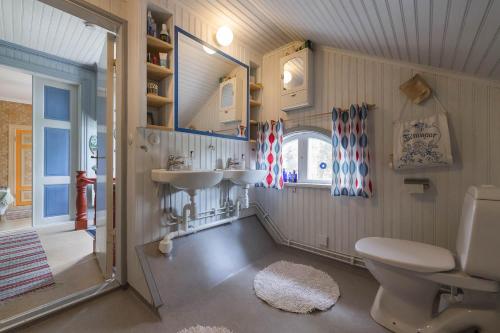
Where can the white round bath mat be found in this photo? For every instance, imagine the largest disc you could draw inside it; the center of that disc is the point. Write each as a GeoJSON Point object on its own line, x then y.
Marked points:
{"type": "Point", "coordinates": [205, 329]}
{"type": "Point", "coordinates": [296, 288]}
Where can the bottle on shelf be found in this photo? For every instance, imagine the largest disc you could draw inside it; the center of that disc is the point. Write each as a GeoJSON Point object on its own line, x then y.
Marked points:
{"type": "Point", "coordinates": [163, 59]}
{"type": "Point", "coordinates": [151, 28]}
{"type": "Point", "coordinates": [164, 35]}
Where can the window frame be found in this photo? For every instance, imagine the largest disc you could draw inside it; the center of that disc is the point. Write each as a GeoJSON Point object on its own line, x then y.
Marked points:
{"type": "Point", "coordinates": [303, 134]}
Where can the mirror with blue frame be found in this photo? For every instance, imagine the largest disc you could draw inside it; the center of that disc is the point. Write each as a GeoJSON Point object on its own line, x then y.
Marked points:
{"type": "Point", "coordinates": [211, 89]}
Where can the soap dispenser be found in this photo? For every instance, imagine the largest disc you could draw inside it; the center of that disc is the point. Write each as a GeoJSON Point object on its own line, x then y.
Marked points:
{"type": "Point", "coordinates": [242, 162]}
{"type": "Point", "coordinates": [189, 161]}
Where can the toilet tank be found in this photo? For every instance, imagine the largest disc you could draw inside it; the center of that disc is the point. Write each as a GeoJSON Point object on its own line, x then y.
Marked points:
{"type": "Point", "coordinates": [478, 241]}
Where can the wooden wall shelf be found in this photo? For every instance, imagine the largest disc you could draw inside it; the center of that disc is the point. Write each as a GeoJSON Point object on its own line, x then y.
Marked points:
{"type": "Point", "coordinates": [161, 128]}
{"type": "Point", "coordinates": [157, 72]}
{"type": "Point", "coordinates": [157, 101]}
{"type": "Point", "coordinates": [255, 86]}
{"type": "Point", "coordinates": [254, 103]}
{"type": "Point", "coordinates": [158, 44]}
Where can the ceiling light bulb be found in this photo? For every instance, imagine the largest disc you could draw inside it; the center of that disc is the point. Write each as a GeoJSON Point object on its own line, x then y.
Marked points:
{"type": "Point", "coordinates": [208, 50]}
{"type": "Point", "coordinates": [287, 77]}
{"type": "Point", "coordinates": [224, 36]}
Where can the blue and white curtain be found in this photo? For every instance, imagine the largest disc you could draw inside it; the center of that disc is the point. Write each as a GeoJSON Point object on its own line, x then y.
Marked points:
{"type": "Point", "coordinates": [351, 156]}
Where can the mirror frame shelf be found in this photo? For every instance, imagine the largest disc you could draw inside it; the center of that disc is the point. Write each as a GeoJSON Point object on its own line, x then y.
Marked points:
{"type": "Point", "coordinates": [179, 31]}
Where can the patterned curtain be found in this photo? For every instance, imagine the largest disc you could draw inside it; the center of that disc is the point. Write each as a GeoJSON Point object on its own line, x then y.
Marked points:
{"type": "Point", "coordinates": [269, 146]}
{"type": "Point", "coordinates": [351, 156]}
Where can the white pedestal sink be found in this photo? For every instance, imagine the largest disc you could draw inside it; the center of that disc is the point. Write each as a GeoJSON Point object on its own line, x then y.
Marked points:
{"type": "Point", "coordinates": [187, 180]}
{"type": "Point", "coordinates": [244, 178]}
{"type": "Point", "coordinates": [190, 181]}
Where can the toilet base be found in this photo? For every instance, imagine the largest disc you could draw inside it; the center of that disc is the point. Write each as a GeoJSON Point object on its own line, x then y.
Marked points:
{"type": "Point", "coordinates": [399, 315]}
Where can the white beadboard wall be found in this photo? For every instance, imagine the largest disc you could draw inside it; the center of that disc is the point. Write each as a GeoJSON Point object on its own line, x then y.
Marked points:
{"type": "Point", "coordinates": [149, 203]}
{"type": "Point", "coordinates": [342, 78]}
{"type": "Point", "coordinates": [143, 228]}
{"type": "Point", "coordinates": [147, 210]}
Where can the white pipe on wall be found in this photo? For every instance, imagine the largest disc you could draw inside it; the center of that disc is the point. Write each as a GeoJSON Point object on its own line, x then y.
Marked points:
{"type": "Point", "coordinates": [265, 219]}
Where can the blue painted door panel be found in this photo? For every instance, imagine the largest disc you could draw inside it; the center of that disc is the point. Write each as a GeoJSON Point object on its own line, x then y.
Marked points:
{"type": "Point", "coordinates": [56, 200]}
{"type": "Point", "coordinates": [57, 105]}
{"type": "Point", "coordinates": [56, 151]}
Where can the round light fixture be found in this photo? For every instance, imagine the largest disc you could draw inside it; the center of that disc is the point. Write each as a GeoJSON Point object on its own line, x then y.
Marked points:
{"type": "Point", "coordinates": [287, 77]}
{"type": "Point", "coordinates": [208, 50]}
{"type": "Point", "coordinates": [224, 36]}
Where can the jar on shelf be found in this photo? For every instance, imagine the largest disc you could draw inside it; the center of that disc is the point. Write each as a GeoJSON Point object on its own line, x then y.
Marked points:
{"type": "Point", "coordinates": [152, 87]}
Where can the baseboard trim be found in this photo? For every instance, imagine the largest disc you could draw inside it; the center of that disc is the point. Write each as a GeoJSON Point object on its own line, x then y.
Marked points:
{"type": "Point", "coordinates": [280, 238]}
{"type": "Point", "coordinates": [40, 312]}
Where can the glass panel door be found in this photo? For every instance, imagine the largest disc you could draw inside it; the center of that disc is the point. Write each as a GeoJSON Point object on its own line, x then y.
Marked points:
{"type": "Point", "coordinates": [104, 157]}
{"type": "Point", "coordinates": [293, 74]}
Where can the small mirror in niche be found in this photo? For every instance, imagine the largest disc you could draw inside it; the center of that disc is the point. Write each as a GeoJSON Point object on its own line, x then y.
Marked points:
{"type": "Point", "coordinates": [211, 89]}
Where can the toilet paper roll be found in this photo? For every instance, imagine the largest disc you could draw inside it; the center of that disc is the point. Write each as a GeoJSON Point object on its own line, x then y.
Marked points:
{"type": "Point", "coordinates": [414, 188]}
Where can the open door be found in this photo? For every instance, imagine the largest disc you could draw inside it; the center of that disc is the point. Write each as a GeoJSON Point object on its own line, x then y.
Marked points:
{"type": "Point", "coordinates": [104, 159]}
{"type": "Point", "coordinates": [55, 156]}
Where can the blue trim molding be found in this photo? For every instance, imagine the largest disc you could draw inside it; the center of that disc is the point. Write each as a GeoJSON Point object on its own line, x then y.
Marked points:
{"type": "Point", "coordinates": [178, 31]}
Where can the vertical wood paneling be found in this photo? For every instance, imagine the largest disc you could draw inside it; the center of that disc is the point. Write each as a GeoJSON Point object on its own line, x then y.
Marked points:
{"type": "Point", "coordinates": [41, 27]}
{"type": "Point", "coordinates": [302, 214]}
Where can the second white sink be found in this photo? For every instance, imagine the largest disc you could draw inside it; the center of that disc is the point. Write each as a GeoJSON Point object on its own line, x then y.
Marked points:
{"type": "Point", "coordinates": [187, 180]}
{"type": "Point", "coordinates": [244, 177]}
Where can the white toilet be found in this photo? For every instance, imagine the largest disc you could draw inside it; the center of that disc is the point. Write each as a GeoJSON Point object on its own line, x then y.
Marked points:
{"type": "Point", "coordinates": [413, 275]}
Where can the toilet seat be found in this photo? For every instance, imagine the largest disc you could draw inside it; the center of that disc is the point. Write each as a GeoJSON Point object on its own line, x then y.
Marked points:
{"type": "Point", "coordinates": [409, 255]}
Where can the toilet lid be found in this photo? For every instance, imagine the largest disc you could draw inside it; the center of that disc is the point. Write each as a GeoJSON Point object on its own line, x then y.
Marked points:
{"type": "Point", "coordinates": [414, 256]}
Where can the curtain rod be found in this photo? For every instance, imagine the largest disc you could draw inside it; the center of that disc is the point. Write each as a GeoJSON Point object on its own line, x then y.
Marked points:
{"type": "Point", "coordinates": [370, 107]}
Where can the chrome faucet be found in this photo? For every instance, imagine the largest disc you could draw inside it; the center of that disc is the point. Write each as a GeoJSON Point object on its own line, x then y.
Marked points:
{"type": "Point", "coordinates": [232, 163]}
{"type": "Point", "coordinates": [175, 162]}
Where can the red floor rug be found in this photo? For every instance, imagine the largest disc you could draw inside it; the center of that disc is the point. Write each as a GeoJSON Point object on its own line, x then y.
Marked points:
{"type": "Point", "coordinates": [23, 264]}
{"type": "Point", "coordinates": [17, 213]}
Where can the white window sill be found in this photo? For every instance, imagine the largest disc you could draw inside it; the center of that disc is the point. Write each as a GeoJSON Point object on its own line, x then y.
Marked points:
{"type": "Point", "coordinates": [309, 185]}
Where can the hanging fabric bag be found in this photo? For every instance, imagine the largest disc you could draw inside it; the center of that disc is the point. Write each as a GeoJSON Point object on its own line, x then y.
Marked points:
{"type": "Point", "coordinates": [422, 143]}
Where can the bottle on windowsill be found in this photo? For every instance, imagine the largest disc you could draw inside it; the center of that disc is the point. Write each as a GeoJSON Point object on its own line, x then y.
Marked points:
{"type": "Point", "coordinates": [285, 176]}
{"type": "Point", "coordinates": [294, 176]}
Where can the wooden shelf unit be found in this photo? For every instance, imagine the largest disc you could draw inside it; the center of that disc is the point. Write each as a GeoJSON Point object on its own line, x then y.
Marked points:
{"type": "Point", "coordinates": [157, 72]}
{"type": "Point", "coordinates": [255, 86]}
{"type": "Point", "coordinates": [157, 101]}
{"type": "Point", "coordinates": [256, 89]}
{"type": "Point", "coordinates": [254, 103]}
{"type": "Point", "coordinates": [161, 128]}
{"type": "Point", "coordinates": [159, 108]}
{"type": "Point", "coordinates": [158, 44]}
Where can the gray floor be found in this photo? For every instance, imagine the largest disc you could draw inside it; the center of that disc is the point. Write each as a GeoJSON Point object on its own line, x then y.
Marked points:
{"type": "Point", "coordinates": [208, 280]}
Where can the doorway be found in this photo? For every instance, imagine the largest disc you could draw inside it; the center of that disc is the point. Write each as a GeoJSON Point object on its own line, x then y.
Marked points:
{"type": "Point", "coordinates": [47, 259]}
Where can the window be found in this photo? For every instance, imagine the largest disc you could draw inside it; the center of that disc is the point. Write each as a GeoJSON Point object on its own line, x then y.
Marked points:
{"type": "Point", "coordinates": [310, 155]}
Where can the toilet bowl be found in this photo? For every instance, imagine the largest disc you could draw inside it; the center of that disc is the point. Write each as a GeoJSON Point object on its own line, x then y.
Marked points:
{"type": "Point", "coordinates": [413, 275]}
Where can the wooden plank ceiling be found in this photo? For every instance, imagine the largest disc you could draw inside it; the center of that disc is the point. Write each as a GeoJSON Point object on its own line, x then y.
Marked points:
{"type": "Point", "coordinates": [461, 35]}
{"type": "Point", "coordinates": [41, 27]}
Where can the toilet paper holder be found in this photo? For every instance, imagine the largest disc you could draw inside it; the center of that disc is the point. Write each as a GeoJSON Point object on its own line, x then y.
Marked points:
{"type": "Point", "coordinates": [416, 185]}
